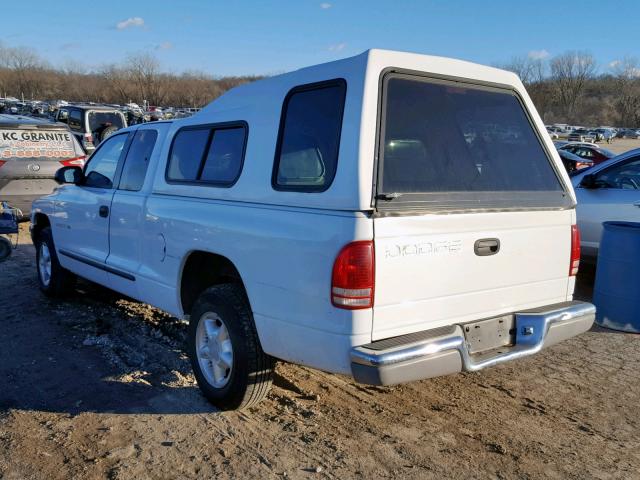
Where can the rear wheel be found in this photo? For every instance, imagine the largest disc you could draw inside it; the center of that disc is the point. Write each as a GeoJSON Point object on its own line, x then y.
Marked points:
{"type": "Point", "coordinates": [228, 362]}
{"type": "Point", "coordinates": [53, 278]}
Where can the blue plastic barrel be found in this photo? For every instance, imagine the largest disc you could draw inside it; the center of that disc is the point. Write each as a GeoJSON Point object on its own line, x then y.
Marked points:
{"type": "Point", "coordinates": [616, 293]}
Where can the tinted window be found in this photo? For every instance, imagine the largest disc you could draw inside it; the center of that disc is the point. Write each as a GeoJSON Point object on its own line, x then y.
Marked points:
{"type": "Point", "coordinates": [101, 169]}
{"type": "Point", "coordinates": [187, 153]}
{"type": "Point", "coordinates": [209, 155]}
{"type": "Point", "coordinates": [75, 119]}
{"type": "Point", "coordinates": [100, 120]}
{"type": "Point", "coordinates": [224, 159]}
{"type": "Point", "coordinates": [309, 138]}
{"type": "Point", "coordinates": [444, 137]}
{"type": "Point", "coordinates": [137, 161]}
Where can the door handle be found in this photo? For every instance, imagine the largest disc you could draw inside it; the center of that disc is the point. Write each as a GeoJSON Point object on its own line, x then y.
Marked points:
{"type": "Point", "coordinates": [486, 246]}
{"type": "Point", "coordinates": [636, 204]}
{"type": "Point", "coordinates": [103, 211]}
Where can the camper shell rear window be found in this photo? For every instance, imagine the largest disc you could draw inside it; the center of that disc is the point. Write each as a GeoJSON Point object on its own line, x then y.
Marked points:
{"type": "Point", "coordinates": [451, 145]}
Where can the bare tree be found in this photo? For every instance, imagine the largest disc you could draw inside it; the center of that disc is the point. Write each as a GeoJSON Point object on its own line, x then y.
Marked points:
{"type": "Point", "coordinates": [627, 78]}
{"type": "Point", "coordinates": [569, 73]}
{"type": "Point", "coordinates": [530, 70]}
{"type": "Point", "coordinates": [144, 71]}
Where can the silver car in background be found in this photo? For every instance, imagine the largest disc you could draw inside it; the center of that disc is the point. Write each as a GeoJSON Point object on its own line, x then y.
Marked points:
{"type": "Point", "coordinates": [608, 191]}
{"type": "Point", "coordinates": [31, 151]}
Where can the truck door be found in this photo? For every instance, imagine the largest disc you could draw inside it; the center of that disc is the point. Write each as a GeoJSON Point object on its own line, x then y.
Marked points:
{"type": "Point", "coordinates": [82, 213]}
{"type": "Point", "coordinates": [126, 238]}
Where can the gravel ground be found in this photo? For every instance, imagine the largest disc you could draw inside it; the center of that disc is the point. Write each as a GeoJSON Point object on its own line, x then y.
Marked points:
{"type": "Point", "coordinates": [98, 386]}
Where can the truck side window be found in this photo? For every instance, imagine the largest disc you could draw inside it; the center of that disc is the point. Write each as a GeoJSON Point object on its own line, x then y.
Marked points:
{"type": "Point", "coordinates": [224, 159]}
{"type": "Point", "coordinates": [211, 154]}
{"type": "Point", "coordinates": [186, 154]}
{"type": "Point", "coordinates": [309, 137]}
{"type": "Point", "coordinates": [137, 161]}
{"type": "Point", "coordinates": [101, 169]}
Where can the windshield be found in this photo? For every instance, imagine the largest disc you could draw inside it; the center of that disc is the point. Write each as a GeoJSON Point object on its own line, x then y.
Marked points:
{"type": "Point", "coordinates": [98, 120]}
{"type": "Point", "coordinates": [463, 143]}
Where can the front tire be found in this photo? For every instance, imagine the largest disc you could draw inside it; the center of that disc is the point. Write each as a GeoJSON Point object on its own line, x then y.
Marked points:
{"type": "Point", "coordinates": [54, 280]}
{"type": "Point", "coordinates": [232, 371]}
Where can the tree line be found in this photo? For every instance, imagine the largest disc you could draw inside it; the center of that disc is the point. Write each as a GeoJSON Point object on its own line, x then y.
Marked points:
{"type": "Point", "coordinates": [139, 77]}
{"type": "Point", "coordinates": [566, 88]}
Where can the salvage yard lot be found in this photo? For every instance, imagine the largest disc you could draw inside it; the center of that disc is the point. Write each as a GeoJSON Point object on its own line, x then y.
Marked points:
{"type": "Point", "coordinates": [98, 387]}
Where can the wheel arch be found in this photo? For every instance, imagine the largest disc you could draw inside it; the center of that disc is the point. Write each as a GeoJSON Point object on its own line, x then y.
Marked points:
{"type": "Point", "coordinates": [202, 269]}
{"type": "Point", "coordinates": [39, 222]}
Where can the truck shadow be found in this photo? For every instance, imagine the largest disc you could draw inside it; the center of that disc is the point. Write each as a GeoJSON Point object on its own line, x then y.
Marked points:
{"type": "Point", "coordinates": [92, 352]}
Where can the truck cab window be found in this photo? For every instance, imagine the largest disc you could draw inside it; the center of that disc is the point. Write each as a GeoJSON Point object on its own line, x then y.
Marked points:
{"type": "Point", "coordinates": [137, 161]}
{"type": "Point", "coordinates": [101, 169]}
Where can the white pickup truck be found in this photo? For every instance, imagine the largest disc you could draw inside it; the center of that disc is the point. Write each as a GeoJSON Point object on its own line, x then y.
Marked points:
{"type": "Point", "coordinates": [390, 216]}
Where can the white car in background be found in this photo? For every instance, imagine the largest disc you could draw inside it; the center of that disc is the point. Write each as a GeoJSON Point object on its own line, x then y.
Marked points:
{"type": "Point", "coordinates": [609, 191]}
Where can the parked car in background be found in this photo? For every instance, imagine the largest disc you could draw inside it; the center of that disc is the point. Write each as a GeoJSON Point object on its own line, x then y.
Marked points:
{"type": "Point", "coordinates": [572, 163]}
{"type": "Point", "coordinates": [552, 133]}
{"type": "Point", "coordinates": [582, 135]}
{"type": "Point", "coordinates": [629, 133]}
{"type": "Point", "coordinates": [31, 151]}
{"type": "Point", "coordinates": [588, 151]}
{"type": "Point", "coordinates": [608, 191]}
{"type": "Point", "coordinates": [605, 134]}
{"type": "Point", "coordinates": [91, 124]}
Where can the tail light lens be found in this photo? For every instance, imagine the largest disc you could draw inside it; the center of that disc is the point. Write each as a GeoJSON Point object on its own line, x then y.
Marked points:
{"type": "Point", "coordinates": [74, 162]}
{"type": "Point", "coordinates": [352, 281]}
{"type": "Point", "coordinates": [2, 162]}
{"type": "Point", "coordinates": [575, 251]}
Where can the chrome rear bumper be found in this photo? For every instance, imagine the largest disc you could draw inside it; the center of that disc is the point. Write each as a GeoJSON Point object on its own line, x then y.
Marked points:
{"type": "Point", "coordinates": [444, 350]}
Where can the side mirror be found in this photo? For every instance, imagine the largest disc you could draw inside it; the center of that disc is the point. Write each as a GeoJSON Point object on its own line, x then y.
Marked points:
{"type": "Point", "coordinates": [588, 181]}
{"type": "Point", "coordinates": [70, 174]}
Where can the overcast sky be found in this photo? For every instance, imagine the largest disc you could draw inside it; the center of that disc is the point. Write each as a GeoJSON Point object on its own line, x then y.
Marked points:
{"type": "Point", "coordinates": [264, 37]}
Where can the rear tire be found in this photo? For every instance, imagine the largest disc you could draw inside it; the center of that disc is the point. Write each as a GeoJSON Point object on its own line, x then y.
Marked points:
{"type": "Point", "coordinates": [232, 371]}
{"type": "Point", "coordinates": [54, 280]}
{"type": "Point", "coordinates": [107, 132]}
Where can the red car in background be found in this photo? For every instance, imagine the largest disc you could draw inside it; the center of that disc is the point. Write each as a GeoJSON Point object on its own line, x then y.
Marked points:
{"type": "Point", "coordinates": [589, 151]}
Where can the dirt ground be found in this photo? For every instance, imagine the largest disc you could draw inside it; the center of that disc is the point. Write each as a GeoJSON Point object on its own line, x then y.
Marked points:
{"type": "Point", "coordinates": [98, 386]}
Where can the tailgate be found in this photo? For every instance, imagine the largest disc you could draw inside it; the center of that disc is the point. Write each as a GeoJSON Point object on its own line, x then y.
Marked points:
{"type": "Point", "coordinates": [429, 271]}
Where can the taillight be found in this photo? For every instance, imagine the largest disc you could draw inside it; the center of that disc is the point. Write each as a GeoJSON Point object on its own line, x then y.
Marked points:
{"type": "Point", "coordinates": [352, 281]}
{"type": "Point", "coordinates": [575, 251]}
{"type": "Point", "coordinates": [74, 162]}
{"type": "Point", "coordinates": [2, 162]}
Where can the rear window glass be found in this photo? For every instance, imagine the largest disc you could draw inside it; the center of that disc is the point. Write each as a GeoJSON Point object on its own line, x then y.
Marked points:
{"type": "Point", "coordinates": [309, 138]}
{"type": "Point", "coordinates": [37, 143]}
{"type": "Point", "coordinates": [101, 120]}
{"type": "Point", "coordinates": [461, 144]}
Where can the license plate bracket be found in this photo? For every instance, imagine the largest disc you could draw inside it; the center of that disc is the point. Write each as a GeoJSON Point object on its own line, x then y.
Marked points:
{"type": "Point", "coordinates": [490, 333]}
